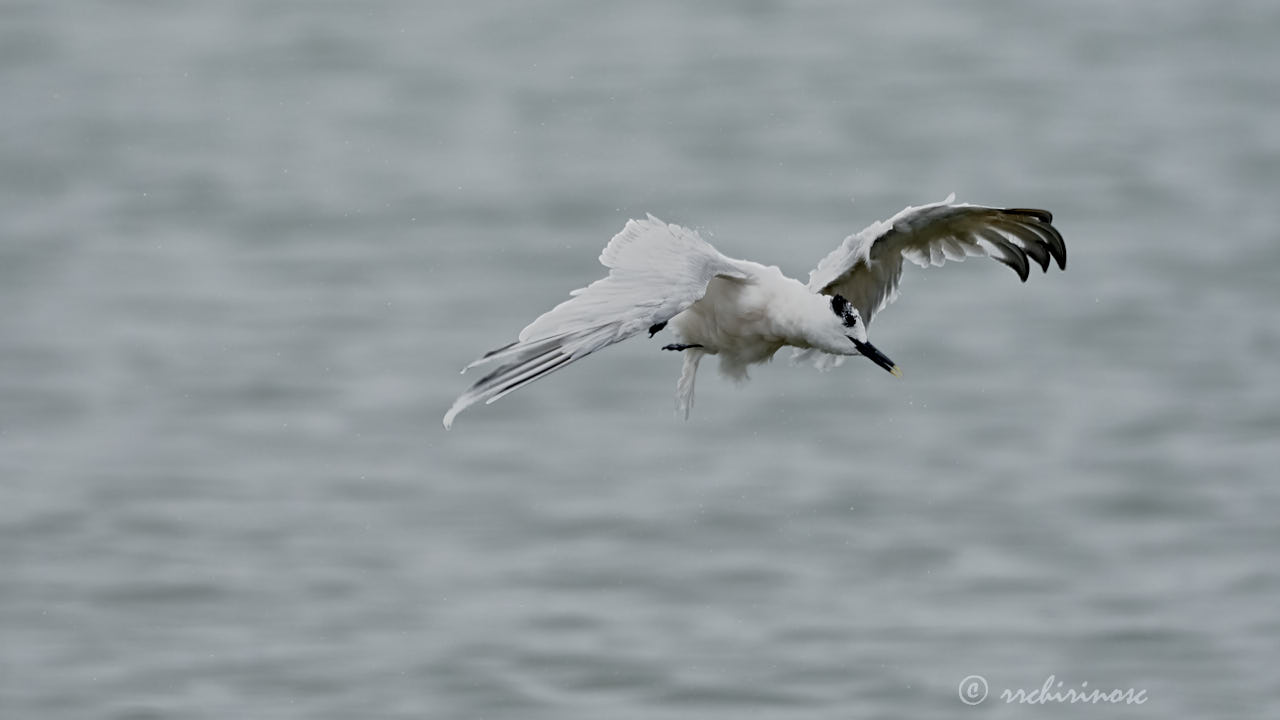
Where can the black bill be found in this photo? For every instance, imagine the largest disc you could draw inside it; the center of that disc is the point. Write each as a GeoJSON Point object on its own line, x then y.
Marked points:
{"type": "Point", "coordinates": [875, 356]}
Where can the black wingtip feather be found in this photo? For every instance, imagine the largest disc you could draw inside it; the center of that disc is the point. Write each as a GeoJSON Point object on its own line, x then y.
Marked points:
{"type": "Point", "coordinates": [1058, 246]}
{"type": "Point", "coordinates": [1016, 259]}
{"type": "Point", "coordinates": [510, 385]}
{"type": "Point", "coordinates": [1010, 254]}
{"type": "Point", "coordinates": [1043, 216]}
{"type": "Point", "coordinates": [491, 353]}
{"type": "Point", "coordinates": [1034, 242]}
{"type": "Point", "coordinates": [1054, 242]}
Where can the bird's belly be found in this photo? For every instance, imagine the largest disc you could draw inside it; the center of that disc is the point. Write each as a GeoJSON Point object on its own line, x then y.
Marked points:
{"type": "Point", "coordinates": [741, 337]}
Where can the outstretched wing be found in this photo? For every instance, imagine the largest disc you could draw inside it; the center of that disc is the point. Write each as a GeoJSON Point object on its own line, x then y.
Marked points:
{"type": "Point", "coordinates": [865, 269]}
{"type": "Point", "coordinates": [656, 271]}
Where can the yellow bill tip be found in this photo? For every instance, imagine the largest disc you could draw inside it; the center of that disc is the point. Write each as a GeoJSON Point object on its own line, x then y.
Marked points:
{"type": "Point", "coordinates": [896, 371]}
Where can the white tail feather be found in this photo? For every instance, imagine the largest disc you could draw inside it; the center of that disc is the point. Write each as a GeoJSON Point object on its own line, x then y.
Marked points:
{"type": "Point", "coordinates": [684, 386]}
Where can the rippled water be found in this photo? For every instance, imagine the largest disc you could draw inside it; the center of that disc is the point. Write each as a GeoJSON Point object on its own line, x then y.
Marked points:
{"type": "Point", "coordinates": [245, 247]}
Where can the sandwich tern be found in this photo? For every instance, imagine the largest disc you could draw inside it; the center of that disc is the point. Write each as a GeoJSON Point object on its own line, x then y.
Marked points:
{"type": "Point", "coordinates": [744, 312]}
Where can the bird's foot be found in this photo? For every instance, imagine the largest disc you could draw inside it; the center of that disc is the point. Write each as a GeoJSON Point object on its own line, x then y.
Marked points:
{"type": "Point", "coordinates": [678, 346]}
{"type": "Point", "coordinates": [657, 328]}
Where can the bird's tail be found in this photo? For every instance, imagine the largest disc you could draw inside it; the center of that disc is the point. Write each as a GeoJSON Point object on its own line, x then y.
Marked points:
{"type": "Point", "coordinates": [684, 386]}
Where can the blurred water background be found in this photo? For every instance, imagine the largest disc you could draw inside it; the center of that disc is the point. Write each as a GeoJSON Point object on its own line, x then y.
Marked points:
{"type": "Point", "coordinates": [246, 246]}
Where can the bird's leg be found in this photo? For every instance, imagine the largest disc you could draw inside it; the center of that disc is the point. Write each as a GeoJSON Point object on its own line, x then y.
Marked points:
{"type": "Point", "coordinates": [657, 328]}
{"type": "Point", "coordinates": [678, 346]}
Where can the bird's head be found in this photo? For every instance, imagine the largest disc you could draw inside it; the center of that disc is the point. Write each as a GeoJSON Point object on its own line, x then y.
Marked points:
{"type": "Point", "coordinates": [853, 330]}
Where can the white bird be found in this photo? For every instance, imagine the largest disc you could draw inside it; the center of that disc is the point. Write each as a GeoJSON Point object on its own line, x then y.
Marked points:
{"type": "Point", "coordinates": [744, 312]}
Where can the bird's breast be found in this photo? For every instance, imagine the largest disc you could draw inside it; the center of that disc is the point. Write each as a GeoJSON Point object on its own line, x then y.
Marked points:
{"type": "Point", "coordinates": [732, 318]}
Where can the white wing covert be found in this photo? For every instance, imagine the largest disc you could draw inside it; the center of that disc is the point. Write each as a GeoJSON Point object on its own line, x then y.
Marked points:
{"type": "Point", "coordinates": [867, 266]}
{"type": "Point", "coordinates": [656, 271]}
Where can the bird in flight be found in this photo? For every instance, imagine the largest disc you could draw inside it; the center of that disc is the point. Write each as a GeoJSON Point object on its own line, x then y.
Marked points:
{"type": "Point", "coordinates": [743, 312]}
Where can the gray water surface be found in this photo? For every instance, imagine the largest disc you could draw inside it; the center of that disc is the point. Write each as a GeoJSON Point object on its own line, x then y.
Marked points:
{"type": "Point", "coordinates": [246, 246]}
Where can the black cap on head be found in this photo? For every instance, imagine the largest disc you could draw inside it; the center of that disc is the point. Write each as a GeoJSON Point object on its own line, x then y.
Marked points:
{"type": "Point", "coordinates": [843, 310]}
